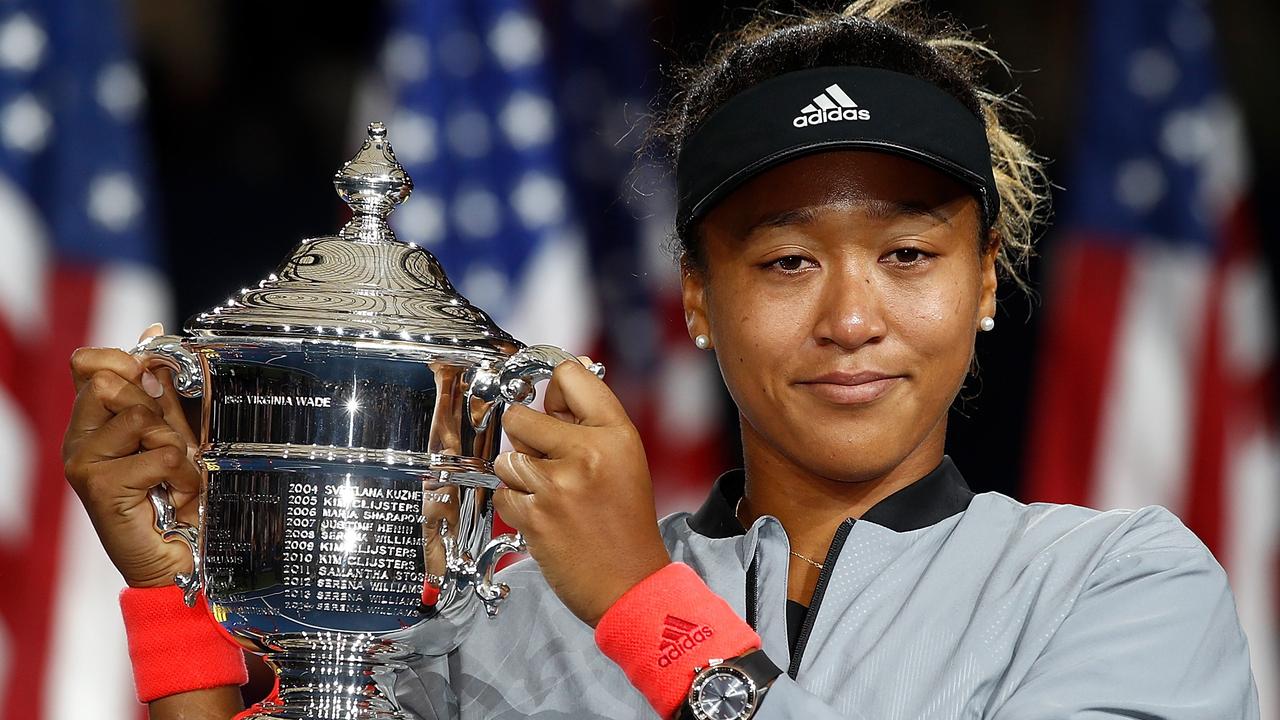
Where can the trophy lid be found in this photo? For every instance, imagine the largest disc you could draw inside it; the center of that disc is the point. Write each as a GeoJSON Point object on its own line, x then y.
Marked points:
{"type": "Point", "coordinates": [363, 283]}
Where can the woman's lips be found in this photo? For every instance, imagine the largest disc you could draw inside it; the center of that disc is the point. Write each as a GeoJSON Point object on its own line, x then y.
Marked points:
{"type": "Point", "coordinates": [843, 388]}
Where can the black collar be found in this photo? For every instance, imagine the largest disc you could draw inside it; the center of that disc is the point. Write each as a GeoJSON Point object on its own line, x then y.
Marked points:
{"type": "Point", "coordinates": [929, 500]}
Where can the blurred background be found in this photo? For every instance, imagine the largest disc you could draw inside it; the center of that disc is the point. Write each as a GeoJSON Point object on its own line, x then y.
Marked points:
{"type": "Point", "coordinates": [156, 157]}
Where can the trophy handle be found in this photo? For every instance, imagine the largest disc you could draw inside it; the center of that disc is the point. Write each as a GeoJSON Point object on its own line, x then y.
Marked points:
{"type": "Point", "coordinates": [514, 381]}
{"type": "Point", "coordinates": [169, 352]}
{"type": "Point", "coordinates": [493, 593]}
{"type": "Point", "coordinates": [462, 571]}
{"type": "Point", "coordinates": [188, 379]}
{"type": "Point", "coordinates": [170, 529]}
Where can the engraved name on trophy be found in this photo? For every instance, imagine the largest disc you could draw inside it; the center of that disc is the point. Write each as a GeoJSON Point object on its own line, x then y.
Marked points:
{"type": "Point", "coordinates": [352, 406]}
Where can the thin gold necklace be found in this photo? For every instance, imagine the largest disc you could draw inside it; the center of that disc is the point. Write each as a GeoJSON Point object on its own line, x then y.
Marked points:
{"type": "Point", "coordinates": [737, 516]}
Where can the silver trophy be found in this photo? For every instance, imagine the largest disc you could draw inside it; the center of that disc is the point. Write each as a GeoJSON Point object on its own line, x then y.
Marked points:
{"type": "Point", "coordinates": [351, 412]}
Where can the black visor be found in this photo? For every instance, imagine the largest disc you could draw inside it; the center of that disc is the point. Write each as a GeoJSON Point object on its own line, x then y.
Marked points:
{"type": "Point", "coordinates": [832, 108]}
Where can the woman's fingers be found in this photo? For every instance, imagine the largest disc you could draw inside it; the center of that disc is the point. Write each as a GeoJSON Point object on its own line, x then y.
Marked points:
{"type": "Point", "coordinates": [114, 493]}
{"type": "Point", "coordinates": [126, 436]}
{"type": "Point", "coordinates": [575, 391]}
{"type": "Point", "coordinates": [132, 453]}
{"type": "Point", "coordinates": [553, 398]}
{"type": "Point", "coordinates": [135, 428]}
{"type": "Point", "coordinates": [543, 434]}
{"type": "Point", "coordinates": [145, 470]}
{"type": "Point", "coordinates": [594, 468]}
{"type": "Point", "coordinates": [153, 330]}
{"type": "Point", "coordinates": [165, 392]}
{"type": "Point", "coordinates": [174, 414]}
{"type": "Point", "coordinates": [102, 396]}
{"type": "Point", "coordinates": [574, 398]}
{"type": "Point", "coordinates": [521, 447]}
{"type": "Point", "coordinates": [514, 507]}
{"type": "Point", "coordinates": [87, 362]}
{"type": "Point", "coordinates": [120, 483]}
{"type": "Point", "coordinates": [521, 472]}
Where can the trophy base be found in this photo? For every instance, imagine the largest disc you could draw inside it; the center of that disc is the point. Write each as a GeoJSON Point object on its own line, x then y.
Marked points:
{"type": "Point", "coordinates": [332, 678]}
{"type": "Point", "coordinates": [270, 711]}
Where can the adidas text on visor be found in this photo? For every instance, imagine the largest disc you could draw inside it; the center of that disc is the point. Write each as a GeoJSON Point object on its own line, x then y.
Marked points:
{"type": "Point", "coordinates": [832, 108]}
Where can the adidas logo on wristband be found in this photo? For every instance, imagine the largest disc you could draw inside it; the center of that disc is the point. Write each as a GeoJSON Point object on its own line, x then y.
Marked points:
{"type": "Point", "coordinates": [679, 637]}
{"type": "Point", "coordinates": [832, 105]}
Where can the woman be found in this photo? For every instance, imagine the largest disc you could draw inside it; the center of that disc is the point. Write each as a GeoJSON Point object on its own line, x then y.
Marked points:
{"type": "Point", "coordinates": [847, 198]}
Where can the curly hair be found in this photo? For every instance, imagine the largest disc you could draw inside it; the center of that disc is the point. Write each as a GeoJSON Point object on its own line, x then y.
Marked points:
{"type": "Point", "coordinates": [887, 34]}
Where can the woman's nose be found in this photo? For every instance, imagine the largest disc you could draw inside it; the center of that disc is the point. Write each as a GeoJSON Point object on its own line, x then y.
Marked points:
{"type": "Point", "coordinates": [851, 313]}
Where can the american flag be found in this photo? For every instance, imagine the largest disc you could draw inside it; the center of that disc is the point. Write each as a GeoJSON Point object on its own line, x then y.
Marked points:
{"type": "Point", "coordinates": [519, 130]}
{"type": "Point", "coordinates": [1155, 380]}
{"type": "Point", "coordinates": [77, 267]}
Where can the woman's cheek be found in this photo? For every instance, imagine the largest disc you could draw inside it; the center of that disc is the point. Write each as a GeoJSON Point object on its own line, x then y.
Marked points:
{"type": "Point", "coordinates": [753, 344]}
{"type": "Point", "coordinates": [934, 321]}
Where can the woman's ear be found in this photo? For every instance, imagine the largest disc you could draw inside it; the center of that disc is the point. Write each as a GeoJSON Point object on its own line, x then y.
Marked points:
{"type": "Point", "coordinates": [693, 294]}
{"type": "Point", "coordinates": [990, 276]}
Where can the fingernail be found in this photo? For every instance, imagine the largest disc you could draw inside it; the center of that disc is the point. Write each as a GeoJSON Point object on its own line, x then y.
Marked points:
{"type": "Point", "coordinates": [151, 384]}
{"type": "Point", "coordinates": [152, 330]}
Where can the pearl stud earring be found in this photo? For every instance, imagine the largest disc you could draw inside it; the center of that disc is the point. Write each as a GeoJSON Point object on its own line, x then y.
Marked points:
{"type": "Point", "coordinates": [987, 323]}
{"type": "Point", "coordinates": [703, 342]}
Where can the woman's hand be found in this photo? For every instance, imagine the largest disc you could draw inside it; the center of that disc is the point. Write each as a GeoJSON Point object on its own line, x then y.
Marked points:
{"type": "Point", "coordinates": [578, 489]}
{"type": "Point", "coordinates": [127, 434]}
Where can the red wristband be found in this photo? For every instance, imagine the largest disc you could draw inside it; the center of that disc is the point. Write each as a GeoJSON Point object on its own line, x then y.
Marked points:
{"type": "Point", "coordinates": [175, 648]}
{"type": "Point", "coordinates": [664, 627]}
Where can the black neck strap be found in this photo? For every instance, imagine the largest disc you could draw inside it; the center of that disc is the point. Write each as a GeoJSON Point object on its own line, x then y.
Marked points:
{"type": "Point", "coordinates": [927, 501]}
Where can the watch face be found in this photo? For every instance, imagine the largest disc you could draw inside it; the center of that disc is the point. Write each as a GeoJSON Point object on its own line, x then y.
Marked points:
{"type": "Point", "coordinates": [723, 694]}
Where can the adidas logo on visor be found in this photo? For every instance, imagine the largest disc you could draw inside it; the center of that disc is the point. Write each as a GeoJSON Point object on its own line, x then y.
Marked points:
{"type": "Point", "coordinates": [832, 105]}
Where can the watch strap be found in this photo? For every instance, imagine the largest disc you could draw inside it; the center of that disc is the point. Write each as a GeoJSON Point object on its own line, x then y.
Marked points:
{"type": "Point", "coordinates": [758, 667]}
{"type": "Point", "coordinates": [755, 664]}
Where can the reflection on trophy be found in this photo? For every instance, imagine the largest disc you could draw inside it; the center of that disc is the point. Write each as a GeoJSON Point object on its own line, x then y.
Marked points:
{"type": "Point", "coordinates": [352, 406]}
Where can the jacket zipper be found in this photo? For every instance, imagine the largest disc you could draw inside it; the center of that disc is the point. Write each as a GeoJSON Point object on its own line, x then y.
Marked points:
{"type": "Point", "coordinates": [824, 576]}
{"type": "Point", "coordinates": [753, 591]}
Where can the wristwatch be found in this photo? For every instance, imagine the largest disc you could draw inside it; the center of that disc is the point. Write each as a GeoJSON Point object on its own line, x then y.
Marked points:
{"type": "Point", "coordinates": [730, 689]}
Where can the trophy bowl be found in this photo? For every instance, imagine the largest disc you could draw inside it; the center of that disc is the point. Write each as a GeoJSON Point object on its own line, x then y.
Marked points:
{"type": "Point", "coordinates": [351, 408]}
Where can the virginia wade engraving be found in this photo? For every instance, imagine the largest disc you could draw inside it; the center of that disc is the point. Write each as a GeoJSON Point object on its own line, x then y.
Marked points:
{"type": "Point", "coordinates": [287, 400]}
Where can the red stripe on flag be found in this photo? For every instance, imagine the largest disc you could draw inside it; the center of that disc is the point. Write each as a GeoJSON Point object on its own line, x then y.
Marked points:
{"type": "Point", "coordinates": [1213, 393]}
{"type": "Point", "coordinates": [1074, 367]}
{"type": "Point", "coordinates": [1223, 400]}
{"type": "Point", "coordinates": [44, 390]}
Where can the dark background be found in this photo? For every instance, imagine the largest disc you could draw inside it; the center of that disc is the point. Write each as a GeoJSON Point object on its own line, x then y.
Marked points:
{"type": "Point", "coordinates": [251, 112]}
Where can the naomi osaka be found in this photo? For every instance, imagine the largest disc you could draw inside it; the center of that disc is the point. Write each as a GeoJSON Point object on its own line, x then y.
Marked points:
{"type": "Point", "coordinates": [849, 197]}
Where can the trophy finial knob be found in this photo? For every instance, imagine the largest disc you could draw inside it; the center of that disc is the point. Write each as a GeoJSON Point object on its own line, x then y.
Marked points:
{"type": "Point", "coordinates": [372, 183]}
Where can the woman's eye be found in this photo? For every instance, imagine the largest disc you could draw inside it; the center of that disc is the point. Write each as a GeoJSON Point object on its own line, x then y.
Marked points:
{"type": "Point", "coordinates": [908, 256]}
{"type": "Point", "coordinates": [790, 263]}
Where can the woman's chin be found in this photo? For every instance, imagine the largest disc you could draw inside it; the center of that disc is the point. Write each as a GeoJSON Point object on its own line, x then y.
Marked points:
{"type": "Point", "coordinates": [834, 457]}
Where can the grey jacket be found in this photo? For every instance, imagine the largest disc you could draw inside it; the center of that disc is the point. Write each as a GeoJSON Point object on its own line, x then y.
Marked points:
{"type": "Point", "coordinates": [937, 603]}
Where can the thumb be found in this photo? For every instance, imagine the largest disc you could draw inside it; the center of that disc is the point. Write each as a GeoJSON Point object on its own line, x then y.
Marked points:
{"type": "Point", "coordinates": [149, 382]}
{"type": "Point", "coordinates": [553, 401]}
{"type": "Point", "coordinates": [152, 330]}
{"type": "Point", "coordinates": [166, 395]}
